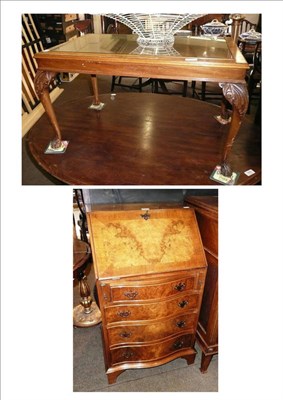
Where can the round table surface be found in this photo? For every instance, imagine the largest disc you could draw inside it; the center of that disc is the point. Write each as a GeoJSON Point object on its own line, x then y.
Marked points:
{"type": "Point", "coordinates": [81, 254]}
{"type": "Point", "coordinates": [142, 139]}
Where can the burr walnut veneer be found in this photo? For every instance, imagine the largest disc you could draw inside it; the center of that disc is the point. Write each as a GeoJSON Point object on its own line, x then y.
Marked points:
{"type": "Point", "coordinates": [150, 271]}
{"type": "Point", "coordinates": [206, 209]}
{"type": "Point", "coordinates": [191, 58]}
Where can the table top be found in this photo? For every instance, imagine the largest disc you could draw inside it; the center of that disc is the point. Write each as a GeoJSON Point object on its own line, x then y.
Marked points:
{"type": "Point", "coordinates": [81, 253]}
{"type": "Point", "coordinates": [115, 54]}
{"type": "Point", "coordinates": [138, 139]}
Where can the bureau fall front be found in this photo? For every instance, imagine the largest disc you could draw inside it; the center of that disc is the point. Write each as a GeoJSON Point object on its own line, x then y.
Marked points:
{"type": "Point", "coordinates": [150, 270]}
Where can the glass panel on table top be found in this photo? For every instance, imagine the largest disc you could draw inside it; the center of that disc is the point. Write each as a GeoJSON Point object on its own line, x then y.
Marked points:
{"type": "Point", "coordinates": [195, 47]}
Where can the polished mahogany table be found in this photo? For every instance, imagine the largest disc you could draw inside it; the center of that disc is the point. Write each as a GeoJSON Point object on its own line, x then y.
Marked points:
{"type": "Point", "coordinates": [191, 58]}
{"type": "Point", "coordinates": [161, 145]}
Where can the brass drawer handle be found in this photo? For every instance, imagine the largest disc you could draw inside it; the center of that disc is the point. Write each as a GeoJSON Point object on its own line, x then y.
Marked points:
{"type": "Point", "coordinates": [183, 303]}
{"type": "Point", "coordinates": [180, 287]}
{"type": "Point", "coordinates": [128, 354]}
{"type": "Point", "coordinates": [131, 295]}
{"type": "Point", "coordinates": [181, 324]}
{"type": "Point", "coordinates": [125, 334]}
{"type": "Point", "coordinates": [124, 314]}
{"type": "Point", "coordinates": [178, 344]}
{"type": "Point", "coordinates": [146, 215]}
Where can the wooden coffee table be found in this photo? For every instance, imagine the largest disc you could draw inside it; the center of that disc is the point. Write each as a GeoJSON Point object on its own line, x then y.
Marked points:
{"type": "Point", "coordinates": [191, 58]}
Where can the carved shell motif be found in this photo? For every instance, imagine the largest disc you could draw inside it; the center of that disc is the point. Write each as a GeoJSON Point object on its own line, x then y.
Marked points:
{"type": "Point", "coordinates": [237, 95]}
{"type": "Point", "coordinates": [42, 81]}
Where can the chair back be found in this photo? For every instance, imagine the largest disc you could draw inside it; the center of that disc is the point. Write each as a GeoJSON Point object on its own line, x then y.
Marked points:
{"type": "Point", "coordinates": [246, 26]}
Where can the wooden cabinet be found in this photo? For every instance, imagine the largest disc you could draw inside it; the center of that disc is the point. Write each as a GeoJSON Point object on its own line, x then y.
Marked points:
{"type": "Point", "coordinates": [55, 28]}
{"type": "Point", "coordinates": [150, 270]}
{"type": "Point", "coordinates": [206, 209]}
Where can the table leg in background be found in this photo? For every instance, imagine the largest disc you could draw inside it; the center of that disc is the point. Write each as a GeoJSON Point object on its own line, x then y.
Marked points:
{"type": "Point", "coordinates": [96, 105]}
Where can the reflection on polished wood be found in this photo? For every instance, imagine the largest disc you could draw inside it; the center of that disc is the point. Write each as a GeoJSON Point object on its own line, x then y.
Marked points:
{"type": "Point", "coordinates": [143, 139]}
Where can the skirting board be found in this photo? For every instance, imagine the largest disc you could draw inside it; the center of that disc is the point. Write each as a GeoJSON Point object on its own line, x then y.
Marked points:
{"type": "Point", "coordinates": [28, 120]}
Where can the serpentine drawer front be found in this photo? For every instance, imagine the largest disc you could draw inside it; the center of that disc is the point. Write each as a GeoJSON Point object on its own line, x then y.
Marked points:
{"type": "Point", "coordinates": [150, 270]}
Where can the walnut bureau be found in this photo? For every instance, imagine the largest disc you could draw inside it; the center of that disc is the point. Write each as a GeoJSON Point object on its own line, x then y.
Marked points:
{"type": "Point", "coordinates": [206, 209]}
{"type": "Point", "coordinates": [150, 270]}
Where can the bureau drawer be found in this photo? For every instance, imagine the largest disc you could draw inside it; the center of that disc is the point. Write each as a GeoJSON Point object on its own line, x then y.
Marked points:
{"type": "Point", "coordinates": [148, 291]}
{"type": "Point", "coordinates": [155, 330]}
{"type": "Point", "coordinates": [154, 310]}
{"type": "Point", "coordinates": [149, 352]}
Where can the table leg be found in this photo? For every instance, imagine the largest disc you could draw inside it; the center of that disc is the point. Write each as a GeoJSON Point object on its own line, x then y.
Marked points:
{"type": "Point", "coordinates": [237, 95]}
{"type": "Point", "coordinates": [96, 105]}
{"type": "Point", "coordinates": [42, 81]}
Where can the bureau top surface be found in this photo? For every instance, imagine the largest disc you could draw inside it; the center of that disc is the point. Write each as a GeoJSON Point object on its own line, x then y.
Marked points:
{"type": "Point", "coordinates": [144, 241]}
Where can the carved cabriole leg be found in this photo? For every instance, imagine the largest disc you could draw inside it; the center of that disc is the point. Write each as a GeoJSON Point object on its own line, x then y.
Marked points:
{"type": "Point", "coordinates": [96, 105]}
{"type": "Point", "coordinates": [42, 81]}
{"type": "Point", "coordinates": [237, 96]}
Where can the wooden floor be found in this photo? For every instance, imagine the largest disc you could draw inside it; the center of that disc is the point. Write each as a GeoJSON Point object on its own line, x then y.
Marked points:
{"type": "Point", "coordinates": [143, 139]}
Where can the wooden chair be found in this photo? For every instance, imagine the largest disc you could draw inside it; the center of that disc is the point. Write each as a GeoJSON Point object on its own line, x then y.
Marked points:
{"type": "Point", "coordinates": [195, 26]}
{"type": "Point", "coordinates": [247, 48]}
{"type": "Point", "coordinates": [118, 81]}
{"type": "Point", "coordinates": [83, 26]}
{"type": "Point", "coordinates": [157, 85]}
{"type": "Point", "coordinates": [254, 75]}
{"type": "Point", "coordinates": [246, 26]}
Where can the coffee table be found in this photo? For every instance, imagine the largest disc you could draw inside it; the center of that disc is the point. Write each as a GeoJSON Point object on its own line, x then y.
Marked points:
{"type": "Point", "coordinates": [191, 58]}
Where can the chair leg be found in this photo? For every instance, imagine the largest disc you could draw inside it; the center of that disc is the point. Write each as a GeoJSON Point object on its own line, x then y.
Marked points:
{"type": "Point", "coordinates": [203, 90]}
{"type": "Point", "coordinates": [251, 86]}
{"type": "Point", "coordinates": [154, 88]}
{"type": "Point", "coordinates": [185, 88]}
{"type": "Point", "coordinates": [140, 85]}
{"type": "Point", "coordinates": [193, 88]}
{"type": "Point", "coordinates": [162, 87]}
{"type": "Point", "coordinates": [113, 83]}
